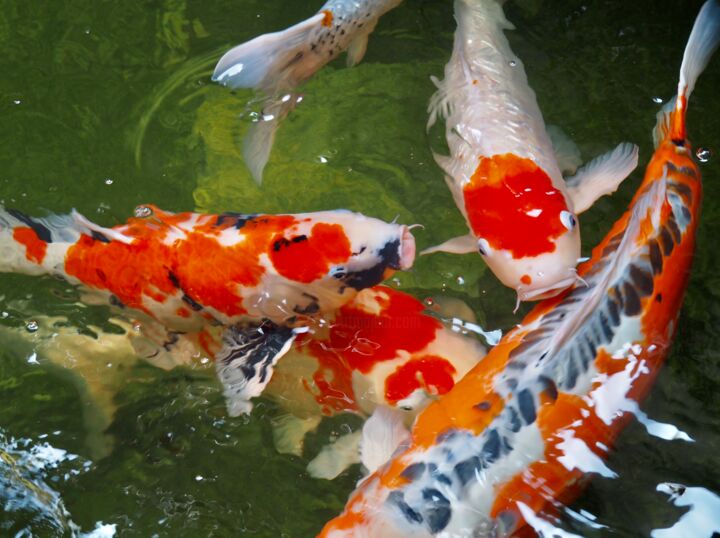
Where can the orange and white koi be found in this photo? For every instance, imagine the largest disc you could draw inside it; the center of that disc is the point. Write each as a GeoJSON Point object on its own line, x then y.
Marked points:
{"type": "Point", "coordinates": [276, 63]}
{"type": "Point", "coordinates": [260, 276]}
{"type": "Point", "coordinates": [503, 171]}
{"type": "Point", "coordinates": [382, 349]}
{"type": "Point", "coordinates": [525, 429]}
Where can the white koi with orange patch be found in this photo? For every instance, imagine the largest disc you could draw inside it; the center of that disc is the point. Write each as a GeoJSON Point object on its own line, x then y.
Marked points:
{"type": "Point", "coordinates": [502, 170]}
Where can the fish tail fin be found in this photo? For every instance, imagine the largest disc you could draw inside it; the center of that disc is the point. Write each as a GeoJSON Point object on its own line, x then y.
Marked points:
{"type": "Point", "coordinates": [271, 62]}
{"type": "Point", "coordinates": [702, 43]}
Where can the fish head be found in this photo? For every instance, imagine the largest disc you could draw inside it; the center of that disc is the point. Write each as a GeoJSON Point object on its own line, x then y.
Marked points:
{"type": "Point", "coordinates": [324, 258]}
{"type": "Point", "coordinates": [524, 224]}
{"type": "Point", "coordinates": [376, 250]}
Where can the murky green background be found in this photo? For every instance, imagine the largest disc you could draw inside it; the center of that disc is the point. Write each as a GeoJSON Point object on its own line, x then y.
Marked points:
{"type": "Point", "coordinates": [107, 104]}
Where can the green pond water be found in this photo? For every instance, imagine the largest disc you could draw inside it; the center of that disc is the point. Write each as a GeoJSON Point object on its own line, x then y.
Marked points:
{"type": "Point", "coordinates": [105, 105]}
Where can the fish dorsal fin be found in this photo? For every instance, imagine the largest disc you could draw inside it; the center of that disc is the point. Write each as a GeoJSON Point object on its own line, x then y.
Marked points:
{"type": "Point", "coordinates": [649, 203]}
{"type": "Point", "coordinates": [246, 360]}
{"type": "Point", "coordinates": [601, 176]}
{"type": "Point", "coordinates": [382, 433]}
{"type": "Point", "coordinates": [463, 244]}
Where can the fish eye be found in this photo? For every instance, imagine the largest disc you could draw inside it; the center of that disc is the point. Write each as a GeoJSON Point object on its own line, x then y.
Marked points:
{"type": "Point", "coordinates": [568, 220]}
{"type": "Point", "coordinates": [483, 246]}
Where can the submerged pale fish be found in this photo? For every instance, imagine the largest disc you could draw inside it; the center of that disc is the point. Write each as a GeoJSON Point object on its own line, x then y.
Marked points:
{"type": "Point", "coordinates": [262, 277]}
{"type": "Point", "coordinates": [529, 425]}
{"type": "Point", "coordinates": [503, 171]}
{"type": "Point", "coordinates": [275, 64]}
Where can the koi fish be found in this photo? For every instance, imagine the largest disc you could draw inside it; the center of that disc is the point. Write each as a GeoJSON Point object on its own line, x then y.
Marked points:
{"type": "Point", "coordinates": [503, 171]}
{"type": "Point", "coordinates": [379, 350]}
{"type": "Point", "coordinates": [262, 277]}
{"type": "Point", "coordinates": [524, 429]}
{"type": "Point", "coordinates": [276, 63]}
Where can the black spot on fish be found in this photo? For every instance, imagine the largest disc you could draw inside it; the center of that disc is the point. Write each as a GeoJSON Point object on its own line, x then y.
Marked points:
{"type": "Point", "coordinates": [437, 509]}
{"type": "Point", "coordinates": [526, 406]}
{"type": "Point", "coordinates": [550, 390]}
{"type": "Point", "coordinates": [666, 241]}
{"type": "Point", "coordinates": [115, 301]}
{"type": "Point", "coordinates": [687, 216]}
{"type": "Point", "coordinates": [312, 308]}
{"type": "Point", "coordinates": [389, 258]}
{"type": "Point", "coordinates": [515, 423]}
{"type": "Point", "coordinates": [238, 219]}
{"type": "Point", "coordinates": [684, 191]}
{"type": "Point", "coordinates": [656, 259]}
{"type": "Point", "coordinates": [605, 326]}
{"type": "Point", "coordinates": [483, 406]}
{"type": "Point", "coordinates": [468, 469]}
{"type": "Point", "coordinates": [42, 231]}
{"type": "Point", "coordinates": [172, 277]}
{"type": "Point", "coordinates": [642, 280]}
{"type": "Point", "coordinates": [659, 297]}
{"type": "Point", "coordinates": [192, 302]}
{"type": "Point", "coordinates": [491, 448]}
{"type": "Point", "coordinates": [674, 230]}
{"type": "Point", "coordinates": [97, 236]}
{"type": "Point", "coordinates": [299, 239]}
{"type": "Point", "coordinates": [686, 170]}
{"type": "Point", "coordinates": [280, 243]}
{"type": "Point", "coordinates": [414, 471]}
{"type": "Point", "coordinates": [678, 142]}
{"type": "Point", "coordinates": [631, 301]}
{"type": "Point", "coordinates": [571, 374]}
{"type": "Point", "coordinates": [613, 311]}
{"type": "Point", "coordinates": [398, 499]}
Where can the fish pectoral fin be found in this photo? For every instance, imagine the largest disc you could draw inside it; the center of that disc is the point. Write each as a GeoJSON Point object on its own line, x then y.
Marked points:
{"type": "Point", "coordinates": [567, 154]}
{"type": "Point", "coordinates": [457, 245]}
{"type": "Point", "coordinates": [356, 49]}
{"type": "Point", "coordinates": [382, 434]}
{"type": "Point", "coordinates": [289, 432]}
{"type": "Point", "coordinates": [601, 176]}
{"type": "Point", "coordinates": [246, 360]}
{"type": "Point", "coordinates": [335, 457]}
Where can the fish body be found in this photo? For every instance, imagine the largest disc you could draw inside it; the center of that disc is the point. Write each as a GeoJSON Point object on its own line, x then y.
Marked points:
{"type": "Point", "coordinates": [380, 350]}
{"type": "Point", "coordinates": [260, 277]}
{"type": "Point", "coordinates": [525, 429]}
{"type": "Point", "coordinates": [276, 63]}
{"type": "Point", "coordinates": [502, 170]}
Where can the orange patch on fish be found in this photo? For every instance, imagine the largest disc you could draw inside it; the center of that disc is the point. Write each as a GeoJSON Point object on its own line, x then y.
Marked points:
{"type": "Point", "coordinates": [327, 18]}
{"type": "Point", "coordinates": [204, 269]}
{"type": "Point", "coordinates": [364, 338]}
{"type": "Point", "coordinates": [512, 203]}
{"type": "Point", "coordinates": [308, 258]}
{"type": "Point", "coordinates": [525, 279]}
{"type": "Point", "coordinates": [35, 248]}
{"type": "Point", "coordinates": [432, 373]}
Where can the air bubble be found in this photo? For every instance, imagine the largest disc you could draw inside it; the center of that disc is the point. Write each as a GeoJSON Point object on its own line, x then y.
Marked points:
{"type": "Point", "coordinates": [108, 181]}
{"type": "Point", "coordinates": [657, 100]}
{"type": "Point", "coordinates": [460, 280]}
{"type": "Point", "coordinates": [429, 301]}
{"type": "Point", "coordinates": [703, 154]}
{"type": "Point", "coordinates": [512, 63]}
{"type": "Point", "coordinates": [17, 101]}
{"type": "Point", "coordinates": [143, 211]}
{"type": "Point", "coordinates": [32, 326]}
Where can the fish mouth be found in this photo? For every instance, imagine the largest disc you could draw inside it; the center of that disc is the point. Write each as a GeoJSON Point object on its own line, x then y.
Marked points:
{"type": "Point", "coordinates": [538, 294]}
{"type": "Point", "coordinates": [406, 250]}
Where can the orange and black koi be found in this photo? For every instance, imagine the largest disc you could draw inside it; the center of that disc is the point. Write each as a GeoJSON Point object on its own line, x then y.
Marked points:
{"type": "Point", "coordinates": [524, 429]}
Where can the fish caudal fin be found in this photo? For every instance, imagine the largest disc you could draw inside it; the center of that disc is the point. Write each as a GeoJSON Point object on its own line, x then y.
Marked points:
{"type": "Point", "coordinates": [270, 62]}
{"type": "Point", "coordinates": [246, 360]}
{"type": "Point", "coordinates": [704, 40]}
{"type": "Point", "coordinates": [601, 176]}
